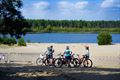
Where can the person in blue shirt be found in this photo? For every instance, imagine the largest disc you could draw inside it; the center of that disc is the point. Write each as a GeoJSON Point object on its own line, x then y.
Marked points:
{"type": "Point", "coordinates": [67, 53]}
{"type": "Point", "coordinates": [49, 52]}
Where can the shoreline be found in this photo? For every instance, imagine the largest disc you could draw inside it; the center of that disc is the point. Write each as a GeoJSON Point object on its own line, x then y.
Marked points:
{"type": "Point", "coordinates": [71, 32]}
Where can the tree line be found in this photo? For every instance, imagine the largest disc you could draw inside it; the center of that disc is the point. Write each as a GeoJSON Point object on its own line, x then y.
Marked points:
{"type": "Point", "coordinates": [72, 25]}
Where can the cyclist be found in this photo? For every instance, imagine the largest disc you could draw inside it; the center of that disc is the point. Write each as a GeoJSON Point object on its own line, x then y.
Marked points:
{"type": "Point", "coordinates": [49, 53]}
{"type": "Point", "coordinates": [87, 54]}
{"type": "Point", "coordinates": [67, 54]}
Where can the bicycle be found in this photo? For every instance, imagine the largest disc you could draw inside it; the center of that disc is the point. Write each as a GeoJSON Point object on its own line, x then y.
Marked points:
{"type": "Point", "coordinates": [60, 61]}
{"type": "Point", "coordinates": [43, 59]}
{"type": "Point", "coordinates": [86, 61]}
{"type": "Point", "coordinates": [48, 63]}
{"type": "Point", "coordinates": [40, 60]}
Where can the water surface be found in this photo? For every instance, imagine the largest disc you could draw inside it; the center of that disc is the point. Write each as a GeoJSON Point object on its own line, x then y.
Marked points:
{"type": "Point", "coordinates": [67, 38]}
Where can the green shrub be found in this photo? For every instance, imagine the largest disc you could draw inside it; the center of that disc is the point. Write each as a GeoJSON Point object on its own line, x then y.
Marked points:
{"type": "Point", "coordinates": [104, 38]}
{"type": "Point", "coordinates": [12, 41]}
{"type": "Point", "coordinates": [9, 41]}
{"type": "Point", "coordinates": [21, 42]}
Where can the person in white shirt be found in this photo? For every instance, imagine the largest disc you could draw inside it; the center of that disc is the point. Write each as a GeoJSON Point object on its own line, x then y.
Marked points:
{"type": "Point", "coordinates": [87, 54]}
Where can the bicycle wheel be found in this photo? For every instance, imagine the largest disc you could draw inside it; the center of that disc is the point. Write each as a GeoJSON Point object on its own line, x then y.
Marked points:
{"type": "Point", "coordinates": [47, 62]}
{"type": "Point", "coordinates": [58, 63]}
{"type": "Point", "coordinates": [87, 63]}
{"type": "Point", "coordinates": [75, 62]}
{"type": "Point", "coordinates": [39, 61]}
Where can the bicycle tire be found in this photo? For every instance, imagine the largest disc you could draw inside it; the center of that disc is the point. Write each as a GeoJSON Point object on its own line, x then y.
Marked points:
{"type": "Point", "coordinates": [39, 61]}
{"type": "Point", "coordinates": [58, 63]}
{"type": "Point", "coordinates": [76, 62]}
{"type": "Point", "coordinates": [88, 63]}
{"type": "Point", "coordinates": [47, 62]}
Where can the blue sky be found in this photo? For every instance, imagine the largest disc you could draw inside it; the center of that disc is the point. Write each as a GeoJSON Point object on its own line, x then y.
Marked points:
{"type": "Point", "coordinates": [71, 9]}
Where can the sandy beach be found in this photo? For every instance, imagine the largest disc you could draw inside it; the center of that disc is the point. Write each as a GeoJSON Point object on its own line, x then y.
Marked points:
{"type": "Point", "coordinates": [105, 56]}
{"type": "Point", "coordinates": [106, 63]}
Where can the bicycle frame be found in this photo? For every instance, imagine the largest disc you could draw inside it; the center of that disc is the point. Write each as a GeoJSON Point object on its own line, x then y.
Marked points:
{"type": "Point", "coordinates": [81, 59]}
{"type": "Point", "coordinates": [64, 61]}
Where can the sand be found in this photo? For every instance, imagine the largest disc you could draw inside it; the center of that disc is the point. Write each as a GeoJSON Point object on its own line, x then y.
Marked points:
{"type": "Point", "coordinates": [51, 73]}
{"type": "Point", "coordinates": [105, 56]}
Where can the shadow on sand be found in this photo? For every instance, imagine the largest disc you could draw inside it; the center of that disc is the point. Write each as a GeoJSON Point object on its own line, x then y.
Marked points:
{"type": "Point", "coordinates": [51, 73]}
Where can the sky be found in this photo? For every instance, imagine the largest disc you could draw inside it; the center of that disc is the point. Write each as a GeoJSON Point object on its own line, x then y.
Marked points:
{"type": "Point", "coordinates": [71, 9]}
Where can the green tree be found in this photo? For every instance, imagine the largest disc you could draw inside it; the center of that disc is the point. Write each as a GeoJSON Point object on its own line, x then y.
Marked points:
{"type": "Point", "coordinates": [11, 20]}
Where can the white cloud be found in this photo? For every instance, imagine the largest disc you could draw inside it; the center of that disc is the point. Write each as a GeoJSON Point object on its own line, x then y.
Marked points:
{"type": "Point", "coordinates": [69, 5]}
{"type": "Point", "coordinates": [69, 9]}
{"type": "Point", "coordinates": [41, 5]}
{"type": "Point", "coordinates": [37, 10]}
{"type": "Point", "coordinates": [81, 5]}
{"type": "Point", "coordinates": [40, 8]}
{"type": "Point", "coordinates": [65, 5]}
{"type": "Point", "coordinates": [110, 3]}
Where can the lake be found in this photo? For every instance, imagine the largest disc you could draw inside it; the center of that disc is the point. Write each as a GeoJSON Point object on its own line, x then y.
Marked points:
{"type": "Point", "coordinates": [67, 38]}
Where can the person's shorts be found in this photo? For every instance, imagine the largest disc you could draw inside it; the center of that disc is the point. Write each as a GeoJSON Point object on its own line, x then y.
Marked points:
{"type": "Point", "coordinates": [68, 57]}
{"type": "Point", "coordinates": [49, 56]}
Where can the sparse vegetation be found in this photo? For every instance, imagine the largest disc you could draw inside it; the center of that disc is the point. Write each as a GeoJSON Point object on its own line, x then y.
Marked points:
{"type": "Point", "coordinates": [12, 41]}
{"type": "Point", "coordinates": [8, 41]}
